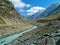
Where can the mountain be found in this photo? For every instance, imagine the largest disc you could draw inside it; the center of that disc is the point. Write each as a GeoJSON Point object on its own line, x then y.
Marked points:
{"type": "Point", "coordinates": [10, 21]}
{"type": "Point", "coordinates": [8, 15]}
{"type": "Point", "coordinates": [54, 8]}
{"type": "Point", "coordinates": [47, 34]}
{"type": "Point", "coordinates": [32, 17]}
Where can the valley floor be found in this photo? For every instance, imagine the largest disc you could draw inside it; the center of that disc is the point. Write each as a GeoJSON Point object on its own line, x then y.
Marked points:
{"type": "Point", "coordinates": [43, 35]}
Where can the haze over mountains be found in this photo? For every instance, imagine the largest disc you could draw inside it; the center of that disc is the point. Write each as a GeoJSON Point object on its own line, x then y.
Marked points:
{"type": "Point", "coordinates": [54, 8]}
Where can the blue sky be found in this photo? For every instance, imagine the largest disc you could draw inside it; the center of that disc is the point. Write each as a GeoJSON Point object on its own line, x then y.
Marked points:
{"type": "Point", "coordinates": [30, 7]}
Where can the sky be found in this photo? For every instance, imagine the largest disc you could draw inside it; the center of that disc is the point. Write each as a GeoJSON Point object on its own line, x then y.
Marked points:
{"type": "Point", "coordinates": [30, 7]}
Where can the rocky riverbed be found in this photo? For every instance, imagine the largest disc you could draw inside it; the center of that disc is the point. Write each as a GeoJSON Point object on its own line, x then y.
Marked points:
{"type": "Point", "coordinates": [43, 35]}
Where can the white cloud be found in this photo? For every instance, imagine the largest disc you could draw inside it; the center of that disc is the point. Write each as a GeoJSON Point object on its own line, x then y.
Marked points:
{"type": "Point", "coordinates": [30, 13]}
{"type": "Point", "coordinates": [34, 10]}
{"type": "Point", "coordinates": [28, 5]}
{"type": "Point", "coordinates": [19, 3]}
{"type": "Point", "coordinates": [21, 10]}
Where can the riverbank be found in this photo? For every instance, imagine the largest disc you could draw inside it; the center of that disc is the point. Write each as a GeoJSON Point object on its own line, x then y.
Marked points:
{"type": "Point", "coordinates": [9, 30]}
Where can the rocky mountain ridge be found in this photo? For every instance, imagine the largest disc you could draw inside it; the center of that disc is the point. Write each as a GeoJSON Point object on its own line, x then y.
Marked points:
{"type": "Point", "coordinates": [51, 10]}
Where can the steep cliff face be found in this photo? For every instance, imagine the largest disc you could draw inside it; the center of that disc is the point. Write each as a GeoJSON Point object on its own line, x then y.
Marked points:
{"type": "Point", "coordinates": [8, 15]}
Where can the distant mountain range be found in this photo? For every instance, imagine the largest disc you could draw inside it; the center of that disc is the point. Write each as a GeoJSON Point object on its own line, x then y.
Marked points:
{"type": "Point", "coordinates": [53, 9]}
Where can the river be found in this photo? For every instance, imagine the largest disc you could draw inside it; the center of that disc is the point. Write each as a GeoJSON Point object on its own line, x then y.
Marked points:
{"type": "Point", "coordinates": [9, 39]}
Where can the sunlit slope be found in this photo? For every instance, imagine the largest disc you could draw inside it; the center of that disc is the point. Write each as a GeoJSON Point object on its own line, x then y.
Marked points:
{"type": "Point", "coordinates": [8, 14]}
